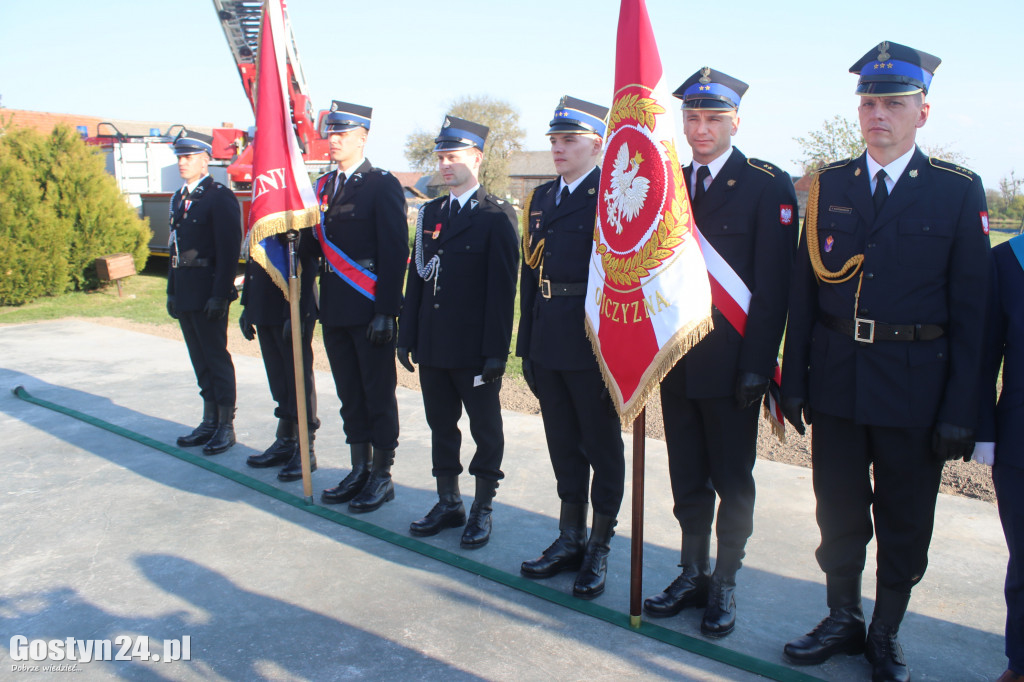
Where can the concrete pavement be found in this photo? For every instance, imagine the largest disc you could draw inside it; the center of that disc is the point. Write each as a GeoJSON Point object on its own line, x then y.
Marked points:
{"type": "Point", "coordinates": [105, 538]}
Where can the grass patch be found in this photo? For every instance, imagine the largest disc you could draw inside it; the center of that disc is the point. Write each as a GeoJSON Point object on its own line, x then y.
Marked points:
{"type": "Point", "coordinates": [144, 300]}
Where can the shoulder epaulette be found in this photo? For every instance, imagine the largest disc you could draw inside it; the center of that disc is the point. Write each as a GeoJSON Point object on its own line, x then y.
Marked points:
{"type": "Point", "coordinates": [834, 165]}
{"type": "Point", "coordinates": [495, 200]}
{"type": "Point", "coordinates": [951, 167]}
{"type": "Point", "coordinates": [436, 199]}
{"type": "Point", "coordinates": [762, 166]}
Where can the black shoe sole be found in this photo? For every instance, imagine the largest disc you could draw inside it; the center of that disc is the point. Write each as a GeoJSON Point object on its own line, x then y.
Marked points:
{"type": "Point", "coordinates": [588, 595]}
{"type": "Point", "coordinates": [293, 477]}
{"type": "Point", "coordinates": [268, 463]}
{"type": "Point", "coordinates": [818, 660]}
{"type": "Point", "coordinates": [216, 451]}
{"type": "Point", "coordinates": [716, 634]}
{"type": "Point", "coordinates": [550, 573]}
{"type": "Point", "coordinates": [364, 508]}
{"type": "Point", "coordinates": [430, 532]}
{"type": "Point", "coordinates": [474, 545]}
{"type": "Point", "coordinates": [675, 611]}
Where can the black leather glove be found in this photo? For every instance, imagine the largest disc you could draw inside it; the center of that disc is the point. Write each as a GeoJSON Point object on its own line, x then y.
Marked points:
{"type": "Point", "coordinates": [404, 359]}
{"type": "Point", "coordinates": [952, 442]}
{"type": "Point", "coordinates": [248, 331]}
{"type": "Point", "coordinates": [493, 369]}
{"type": "Point", "coordinates": [216, 308]}
{"type": "Point", "coordinates": [750, 388]}
{"type": "Point", "coordinates": [530, 377]}
{"type": "Point", "coordinates": [171, 310]}
{"type": "Point", "coordinates": [381, 329]}
{"type": "Point", "coordinates": [793, 408]}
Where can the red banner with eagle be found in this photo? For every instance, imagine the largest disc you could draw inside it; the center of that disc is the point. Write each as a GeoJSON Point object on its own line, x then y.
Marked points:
{"type": "Point", "coordinates": [282, 195]}
{"type": "Point", "coordinates": [649, 297]}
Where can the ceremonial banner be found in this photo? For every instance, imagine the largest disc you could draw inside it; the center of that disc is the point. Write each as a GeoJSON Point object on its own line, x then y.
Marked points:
{"type": "Point", "coordinates": [649, 298]}
{"type": "Point", "coordinates": [282, 196]}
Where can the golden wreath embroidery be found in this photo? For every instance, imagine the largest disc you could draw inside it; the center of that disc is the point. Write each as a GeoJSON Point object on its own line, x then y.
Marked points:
{"type": "Point", "coordinates": [641, 109]}
{"type": "Point", "coordinates": [627, 270]}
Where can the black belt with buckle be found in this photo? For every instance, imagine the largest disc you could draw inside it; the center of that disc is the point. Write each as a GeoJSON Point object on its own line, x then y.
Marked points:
{"type": "Point", "coordinates": [549, 288]}
{"type": "Point", "coordinates": [869, 331]}
{"type": "Point", "coordinates": [193, 263]}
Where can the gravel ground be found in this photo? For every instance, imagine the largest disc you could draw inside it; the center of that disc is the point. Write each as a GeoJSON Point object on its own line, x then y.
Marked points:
{"type": "Point", "coordinates": [968, 479]}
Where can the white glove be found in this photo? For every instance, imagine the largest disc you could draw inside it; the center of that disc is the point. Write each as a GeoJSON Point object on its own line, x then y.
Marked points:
{"type": "Point", "coordinates": [984, 453]}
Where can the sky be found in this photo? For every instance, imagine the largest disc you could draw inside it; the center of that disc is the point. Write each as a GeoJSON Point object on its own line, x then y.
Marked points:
{"type": "Point", "coordinates": [169, 61]}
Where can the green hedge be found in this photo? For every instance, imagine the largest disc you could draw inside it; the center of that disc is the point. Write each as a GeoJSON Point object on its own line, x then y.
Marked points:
{"type": "Point", "coordinates": [59, 211]}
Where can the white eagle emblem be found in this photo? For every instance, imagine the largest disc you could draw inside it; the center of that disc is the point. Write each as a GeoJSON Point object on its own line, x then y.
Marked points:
{"type": "Point", "coordinates": [628, 193]}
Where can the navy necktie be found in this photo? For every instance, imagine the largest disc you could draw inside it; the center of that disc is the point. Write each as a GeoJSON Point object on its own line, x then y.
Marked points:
{"type": "Point", "coordinates": [881, 191]}
{"type": "Point", "coordinates": [703, 173]}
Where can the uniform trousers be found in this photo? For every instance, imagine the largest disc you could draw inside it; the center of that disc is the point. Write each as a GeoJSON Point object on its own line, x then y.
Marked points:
{"type": "Point", "coordinates": [1009, 484]}
{"type": "Point", "coordinates": [906, 483]}
{"type": "Point", "coordinates": [711, 449]}
{"type": "Point", "coordinates": [276, 350]}
{"type": "Point", "coordinates": [583, 433]}
{"type": "Point", "coordinates": [365, 377]}
{"type": "Point", "coordinates": [207, 343]}
{"type": "Point", "coordinates": [445, 392]}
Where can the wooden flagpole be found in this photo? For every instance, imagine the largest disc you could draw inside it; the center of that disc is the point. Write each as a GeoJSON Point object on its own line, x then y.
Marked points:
{"type": "Point", "coordinates": [300, 372]}
{"type": "Point", "coordinates": [636, 557]}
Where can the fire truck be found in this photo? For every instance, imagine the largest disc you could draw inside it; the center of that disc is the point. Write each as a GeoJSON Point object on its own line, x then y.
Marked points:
{"type": "Point", "coordinates": [144, 165]}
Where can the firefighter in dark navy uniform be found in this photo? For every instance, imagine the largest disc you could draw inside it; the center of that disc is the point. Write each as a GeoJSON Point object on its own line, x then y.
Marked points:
{"type": "Point", "coordinates": [883, 352]}
{"type": "Point", "coordinates": [364, 241]}
{"type": "Point", "coordinates": [580, 423]}
{"type": "Point", "coordinates": [746, 209]}
{"type": "Point", "coordinates": [266, 315]}
{"type": "Point", "coordinates": [206, 237]}
{"type": "Point", "coordinates": [457, 324]}
{"type": "Point", "coordinates": [1001, 430]}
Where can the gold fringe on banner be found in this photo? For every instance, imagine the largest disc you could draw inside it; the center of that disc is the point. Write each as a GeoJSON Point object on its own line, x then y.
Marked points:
{"type": "Point", "coordinates": [274, 224]}
{"type": "Point", "coordinates": [680, 344]}
{"type": "Point", "coordinates": [778, 429]}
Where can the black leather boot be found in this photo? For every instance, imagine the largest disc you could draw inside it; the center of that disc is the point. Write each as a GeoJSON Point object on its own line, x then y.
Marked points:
{"type": "Point", "coordinates": [379, 488]}
{"type": "Point", "coordinates": [449, 512]}
{"type": "Point", "coordinates": [590, 580]}
{"type": "Point", "coordinates": [565, 553]}
{"type": "Point", "coordinates": [282, 449]}
{"type": "Point", "coordinates": [478, 527]}
{"type": "Point", "coordinates": [293, 469]}
{"type": "Point", "coordinates": [202, 433]}
{"type": "Point", "coordinates": [883, 648]}
{"type": "Point", "coordinates": [842, 631]}
{"type": "Point", "coordinates": [691, 587]}
{"type": "Point", "coordinates": [720, 614]}
{"type": "Point", "coordinates": [356, 479]}
{"type": "Point", "coordinates": [224, 437]}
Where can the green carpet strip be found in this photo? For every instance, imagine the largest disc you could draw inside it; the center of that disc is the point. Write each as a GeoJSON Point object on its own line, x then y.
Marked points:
{"type": "Point", "coordinates": [700, 647]}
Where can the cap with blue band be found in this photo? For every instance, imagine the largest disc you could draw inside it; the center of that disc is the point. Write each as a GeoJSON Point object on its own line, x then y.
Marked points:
{"type": "Point", "coordinates": [193, 143]}
{"type": "Point", "coordinates": [894, 69]}
{"type": "Point", "coordinates": [710, 89]}
{"type": "Point", "coordinates": [344, 116]}
{"type": "Point", "coordinates": [457, 133]}
{"type": "Point", "coordinates": [579, 117]}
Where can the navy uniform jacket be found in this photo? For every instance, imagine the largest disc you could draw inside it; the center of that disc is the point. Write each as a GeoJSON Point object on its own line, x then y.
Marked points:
{"type": "Point", "coordinates": [552, 331]}
{"type": "Point", "coordinates": [209, 233]}
{"type": "Point", "coordinates": [366, 220]}
{"type": "Point", "coordinates": [465, 315]}
{"type": "Point", "coordinates": [749, 214]}
{"type": "Point", "coordinates": [264, 301]}
{"type": "Point", "coordinates": [1003, 423]}
{"type": "Point", "coordinates": [926, 261]}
